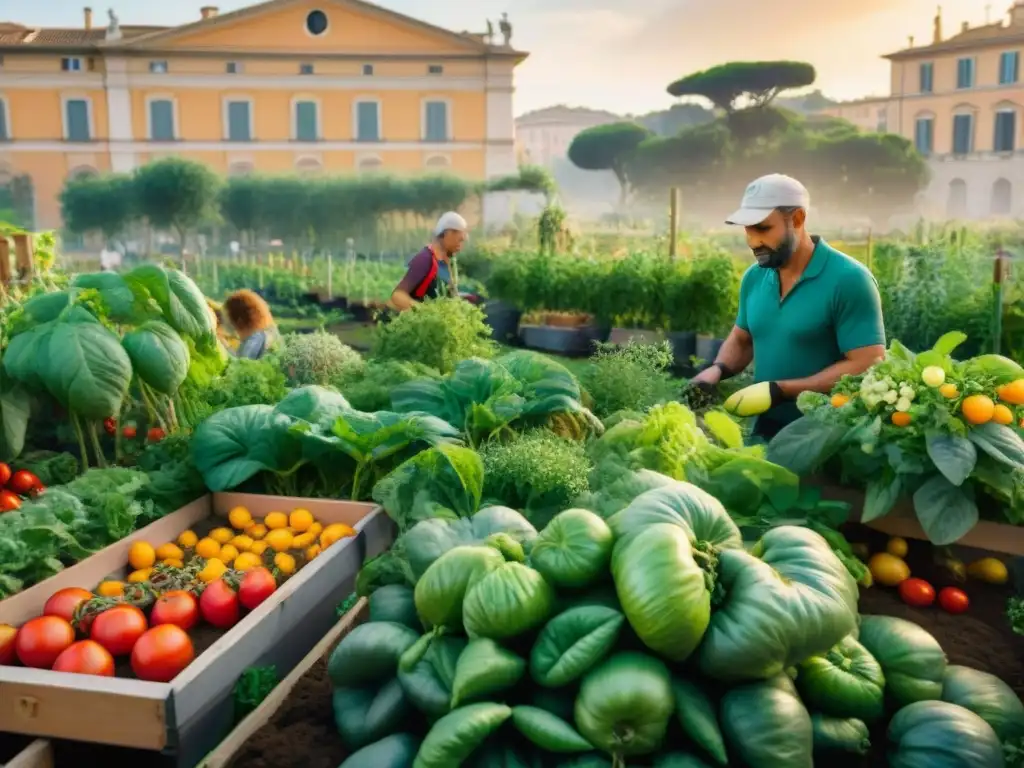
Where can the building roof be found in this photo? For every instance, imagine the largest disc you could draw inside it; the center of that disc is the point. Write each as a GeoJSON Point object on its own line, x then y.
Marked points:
{"type": "Point", "coordinates": [972, 37]}
{"type": "Point", "coordinates": [561, 113]}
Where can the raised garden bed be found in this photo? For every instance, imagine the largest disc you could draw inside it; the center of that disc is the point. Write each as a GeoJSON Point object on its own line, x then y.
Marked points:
{"type": "Point", "coordinates": [568, 341]}
{"type": "Point", "coordinates": [183, 719]}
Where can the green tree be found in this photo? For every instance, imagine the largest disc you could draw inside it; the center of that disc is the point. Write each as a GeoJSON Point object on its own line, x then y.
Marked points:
{"type": "Point", "coordinates": [177, 194]}
{"type": "Point", "coordinates": [99, 203]}
{"type": "Point", "coordinates": [608, 148]}
{"type": "Point", "coordinates": [758, 81]}
{"type": "Point", "coordinates": [530, 178]}
{"type": "Point", "coordinates": [240, 201]}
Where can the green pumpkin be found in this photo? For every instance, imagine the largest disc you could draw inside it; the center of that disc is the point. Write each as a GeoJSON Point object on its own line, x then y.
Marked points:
{"type": "Point", "coordinates": [441, 591]}
{"type": "Point", "coordinates": [787, 599]}
{"type": "Point", "coordinates": [840, 734]}
{"type": "Point", "coordinates": [685, 505]}
{"type": "Point", "coordinates": [767, 725]}
{"type": "Point", "coordinates": [508, 601]}
{"type": "Point", "coordinates": [845, 681]}
{"type": "Point", "coordinates": [368, 714]}
{"type": "Point", "coordinates": [936, 734]}
{"type": "Point", "coordinates": [986, 696]}
{"type": "Point", "coordinates": [573, 550]}
{"type": "Point", "coordinates": [428, 683]}
{"type": "Point", "coordinates": [369, 653]}
{"type": "Point", "coordinates": [397, 603]}
{"type": "Point", "coordinates": [912, 661]}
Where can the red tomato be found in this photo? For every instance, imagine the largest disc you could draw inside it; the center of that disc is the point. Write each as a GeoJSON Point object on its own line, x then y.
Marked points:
{"type": "Point", "coordinates": [917, 592]}
{"type": "Point", "coordinates": [219, 605]}
{"type": "Point", "coordinates": [63, 602]}
{"type": "Point", "coordinates": [162, 653]}
{"type": "Point", "coordinates": [129, 432]}
{"type": "Point", "coordinates": [118, 629]}
{"type": "Point", "coordinates": [155, 435]}
{"type": "Point", "coordinates": [41, 640]}
{"type": "Point", "coordinates": [86, 657]}
{"type": "Point", "coordinates": [110, 426]}
{"type": "Point", "coordinates": [23, 481]}
{"type": "Point", "coordinates": [257, 585]}
{"type": "Point", "coordinates": [953, 600]}
{"type": "Point", "coordinates": [5, 473]}
{"type": "Point", "coordinates": [177, 607]}
{"type": "Point", "coordinates": [7, 636]}
{"type": "Point", "coordinates": [9, 501]}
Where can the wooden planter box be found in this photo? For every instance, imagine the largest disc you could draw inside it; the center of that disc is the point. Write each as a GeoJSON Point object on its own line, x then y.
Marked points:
{"type": "Point", "coordinates": [185, 718]}
{"type": "Point", "coordinates": [38, 754]}
{"type": "Point", "coordinates": [224, 755]}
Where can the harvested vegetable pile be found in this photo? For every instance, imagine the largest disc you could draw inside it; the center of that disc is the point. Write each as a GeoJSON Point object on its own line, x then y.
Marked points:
{"type": "Point", "coordinates": [654, 637]}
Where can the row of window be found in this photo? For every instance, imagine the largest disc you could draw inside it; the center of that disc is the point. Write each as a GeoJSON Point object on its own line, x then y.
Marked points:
{"type": "Point", "coordinates": [966, 72]}
{"type": "Point", "coordinates": [161, 67]}
{"type": "Point", "coordinates": [238, 119]}
{"type": "Point", "coordinates": [1004, 137]}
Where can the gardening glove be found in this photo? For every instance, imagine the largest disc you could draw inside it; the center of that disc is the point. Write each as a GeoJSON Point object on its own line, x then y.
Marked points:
{"type": "Point", "coordinates": [755, 399]}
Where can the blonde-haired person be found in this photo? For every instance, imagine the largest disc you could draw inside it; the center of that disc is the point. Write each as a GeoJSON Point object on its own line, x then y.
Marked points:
{"type": "Point", "coordinates": [250, 316]}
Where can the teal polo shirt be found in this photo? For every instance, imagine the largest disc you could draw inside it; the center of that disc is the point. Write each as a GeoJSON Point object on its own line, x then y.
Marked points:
{"type": "Point", "coordinates": [833, 308]}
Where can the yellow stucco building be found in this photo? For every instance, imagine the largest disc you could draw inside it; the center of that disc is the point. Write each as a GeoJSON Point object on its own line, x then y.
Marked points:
{"type": "Point", "coordinates": [338, 86]}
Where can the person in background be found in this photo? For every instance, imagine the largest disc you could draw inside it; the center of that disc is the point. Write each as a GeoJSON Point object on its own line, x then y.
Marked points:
{"type": "Point", "coordinates": [250, 316]}
{"type": "Point", "coordinates": [429, 274]}
{"type": "Point", "coordinates": [217, 313]}
{"type": "Point", "coordinates": [808, 314]}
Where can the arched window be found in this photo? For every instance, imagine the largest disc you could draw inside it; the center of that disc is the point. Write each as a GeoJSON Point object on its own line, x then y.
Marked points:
{"type": "Point", "coordinates": [438, 162]}
{"type": "Point", "coordinates": [370, 164]}
{"type": "Point", "coordinates": [1002, 197]}
{"type": "Point", "coordinates": [956, 207]}
{"type": "Point", "coordinates": [82, 172]}
{"type": "Point", "coordinates": [308, 166]}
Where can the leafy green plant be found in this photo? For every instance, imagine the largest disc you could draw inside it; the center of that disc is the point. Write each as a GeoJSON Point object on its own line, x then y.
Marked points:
{"type": "Point", "coordinates": [370, 389]}
{"type": "Point", "coordinates": [317, 358]}
{"type": "Point", "coordinates": [630, 377]}
{"type": "Point", "coordinates": [252, 687]}
{"type": "Point", "coordinates": [1015, 614]}
{"type": "Point", "coordinates": [437, 334]}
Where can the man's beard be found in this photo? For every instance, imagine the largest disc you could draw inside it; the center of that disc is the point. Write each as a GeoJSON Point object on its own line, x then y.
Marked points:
{"type": "Point", "coordinates": [775, 258]}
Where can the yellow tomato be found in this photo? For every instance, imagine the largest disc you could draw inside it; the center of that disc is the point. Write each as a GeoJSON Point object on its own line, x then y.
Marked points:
{"type": "Point", "coordinates": [333, 533]}
{"type": "Point", "coordinates": [213, 570]}
{"type": "Point", "coordinates": [279, 540]}
{"type": "Point", "coordinates": [276, 520]}
{"type": "Point", "coordinates": [300, 519]}
{"type": "Point", "coordinates": [1002, 415]}
{"type": "Point", "coordinates": [227, 554]}
{"type": "Point", "coordinates": [897, 547]}
{"type": "Point", "coordinates": [978, 409]}
{"type": "Point", "coordinates": [110, 588]}
{"type": "Point", "coordinates": [173, 562]}
{"type": "Point", "coordinates": [169, 551]}
{"type": "Point", "coordinates": [839, 400]}
{"type": "Point", "coordinates": [222, 535]}
{"type": "Point", "coordinates": [312, 552]}
{"type": "Point", "coordinates": [888, 570]}
{"type": "Point", "coordinates": [247, 560]}
{"type": "Point", "coordinates": [187, 539]}
{"type": "Point", "coordinates": [303, 540]}
{"type": "Point", "coordinates": [256, 531]}
{"type": "Point", "coordinates": [285, 562]}
{"type": "Point", "coordinates": [949, 391]}
{"type": "Point", "coordinates": [139, 576]}
{"type": "Point", "coordinates": [259, 547]}
{"type": "Point", "coordinates": [241, 542]}
{"type": "Point", "coordinates": [239, 518]}
{"type": "Point", "coordinates": [207, 548]}
{"type": "Point", "coordinates": [989, 570]}
{"type": "Point", "coordinates": [933, 376]}
{"type": "Point", "coordinates": [141, 555]}
{"type": "Point", "coordinates": [316, 529]}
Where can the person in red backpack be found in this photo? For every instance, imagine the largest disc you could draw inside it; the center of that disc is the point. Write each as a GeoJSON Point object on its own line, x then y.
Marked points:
{"type": "Point", "coordinates": [429, 274]}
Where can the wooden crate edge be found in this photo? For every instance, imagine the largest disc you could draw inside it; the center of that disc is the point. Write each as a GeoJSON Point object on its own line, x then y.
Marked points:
{"type": "Point", "coordinates": [38, 754]}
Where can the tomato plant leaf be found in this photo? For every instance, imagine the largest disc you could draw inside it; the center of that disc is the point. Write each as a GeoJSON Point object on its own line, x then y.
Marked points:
{"type": "Point", "coordinates": [948, 342]}
{"type": "Point", "coordinates": [880, 496]}
{"type": "Point", "coordinates": [946, 512]}
{"type": "Point", "coordinates": [1000, 442]}
{"type": "Point", "coordinates": [954, 456]}
{"type": "Point", "coordinates": [159, 356]}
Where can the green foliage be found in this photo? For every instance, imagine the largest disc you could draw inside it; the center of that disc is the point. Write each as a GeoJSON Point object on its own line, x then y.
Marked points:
{"type": "Point", "coordinates": [760, 81]}
{"type": "Point", "coordinates": [370, 389]}
{"type": "Point", "coordinates": [317, 358]}
{"type": "Point", "coordinates": [104, 203]}
{"type": "Point", "coordinates": [244, 382]}
{"type": "Point", "coordinates": [437, 334]}
{"type": "Point", "coordinates": [633, 377]}
{"type": "Point", "coordinates": [175, 193]}
{"type": "Point", "coordinates": [253, 686]}
{"type": "Point", "coordinates": [608, 148]}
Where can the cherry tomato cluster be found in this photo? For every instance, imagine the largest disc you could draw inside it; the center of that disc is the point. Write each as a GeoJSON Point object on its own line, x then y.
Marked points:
{"type": "Point", "coordinates": [15, 486]}
{"type": "Point", "coordinates": [158, 646]}
{"type": "Point", "coordinates": [129, 431]}
{"type": "Point", "coordinates": [920, 594]}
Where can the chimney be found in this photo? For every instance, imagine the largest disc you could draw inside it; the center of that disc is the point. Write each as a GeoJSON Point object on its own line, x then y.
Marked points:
{"type": "Point", "coordinates": [208, 11]}
{"type": "Point", "coordinates": [965, 27]}
{"type": "Point", "coordinates": [910, 42]}
{"type": "Point", "coordinates": [88, 17]}
{"type": "Point", "coordinates": [937, 32]}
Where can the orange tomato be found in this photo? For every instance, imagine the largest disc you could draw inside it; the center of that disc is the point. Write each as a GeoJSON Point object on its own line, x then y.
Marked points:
{"type": "Point", "coordinates": [949, 391]}
{"type": "Point", "coordinates": [839, 400]}
{"type": "Point", "coordinates": [1002, 415]}
{"type": "Point", "coordinates": [901, 419]}
{"type": "Point", "coordinates": [1012, 393]}
{"type": "Point", "coordinates": [978, 409]}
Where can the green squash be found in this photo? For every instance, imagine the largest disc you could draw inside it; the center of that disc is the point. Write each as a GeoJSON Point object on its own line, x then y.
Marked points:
{"type": "Point", "coordinates": [395, 751]}
{"type": "Point", "coordinates": [572, 643]}
{"type": "Point", "coordinates": [369, 653]}
{"type": "Point", "coordinates": [912, 661]}
{"type": "Point", "coordinates": [662, 589]}
{"type": "Point", "coordinates": [687, 506]}
{"type": "Point", "coordinates": [368, 714]}
{"type": "Point", "coordinates": [453, 738]}
{"type": "Point", "coordinates": [547, 731]}
{"type": "Point", "coordinates": [699, 720]}
{"type": "Point", "coordinates": [397, 603]}
{"type": "Point", "coordinates": [787, 599]}
{"type": "Point", "coordinates": [845, 681]}
{"type": "Point", "coordinates": [426, 541]}
{"type": "Point", "coordinates": [936, 734]}
{"type": "Point", "coordinates": [485, 668]}
{"type": "Point", "coordinates": [840, 734]}
{"type": "Point", "coordinates": [506, 602]}
{"type": "Point", "coordinates": [767, 725]}
{"type": "Point", "coordinates": [441, 591]}
{"type": "Point", "coordinates": [428, 683]}
{"type": "Point", "coordinates": [573, 550]}
{"type": "Point", "coordinates": [625, 703]}
{"type": "Point", "coordinates": [986, 696]}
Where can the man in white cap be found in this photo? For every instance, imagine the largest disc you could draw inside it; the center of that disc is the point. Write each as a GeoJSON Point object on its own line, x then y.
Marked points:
{"type": "Point", "coordinates": [808, 314]}
{"type": "Point", "coordinates": [429, 273]}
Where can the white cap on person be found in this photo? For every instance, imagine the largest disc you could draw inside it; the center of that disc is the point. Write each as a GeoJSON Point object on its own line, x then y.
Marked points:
{"type": "Point", "coordinates": [767, 193]}
{"type": "Point", "coordinates": [450, 220]}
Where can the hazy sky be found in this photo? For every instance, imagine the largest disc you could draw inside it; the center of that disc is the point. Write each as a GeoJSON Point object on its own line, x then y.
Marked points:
{"type": "Point", "coordinates": [621, 54]}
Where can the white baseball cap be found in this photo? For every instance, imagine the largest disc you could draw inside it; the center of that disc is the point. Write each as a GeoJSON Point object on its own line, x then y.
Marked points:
{"type": "Point", "coordinates": [767, 193]}
{"type": "Point", "coordinates": [450, 220]}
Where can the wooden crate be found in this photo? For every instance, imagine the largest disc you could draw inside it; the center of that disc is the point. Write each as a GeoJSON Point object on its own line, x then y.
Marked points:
{"type": "Point", "coordinates": [38, 754]}
{"type": "Point", "coordinates": [225, 753]}
{"type": "Point", "coordinates": [185, 718]}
